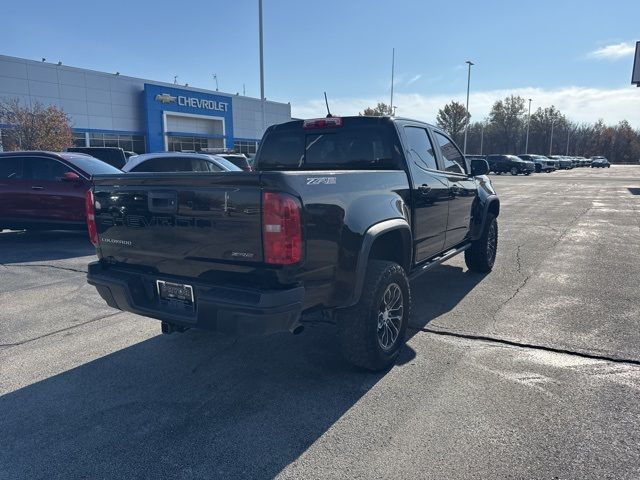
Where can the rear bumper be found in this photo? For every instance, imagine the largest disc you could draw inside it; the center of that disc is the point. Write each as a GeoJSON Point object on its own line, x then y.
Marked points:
{"type": "Point", "coordinates": [216, 307]}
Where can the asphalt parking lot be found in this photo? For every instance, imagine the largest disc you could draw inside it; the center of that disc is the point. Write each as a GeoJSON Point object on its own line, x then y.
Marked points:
{"type": "Point", "coordinates": [532, 371]}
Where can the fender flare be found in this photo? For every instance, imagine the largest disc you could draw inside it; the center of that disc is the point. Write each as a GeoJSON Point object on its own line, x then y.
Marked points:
{"type": "Point", "coordinates": [491, 200]}
{"type": "Point", "coordinates": [369, 238]}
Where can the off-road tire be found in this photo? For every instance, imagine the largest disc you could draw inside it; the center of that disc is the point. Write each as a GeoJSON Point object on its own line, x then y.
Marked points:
{"type": "Point", "coordinates": [358, 325]}
{"type": "Point", "coordinates": [479, 257]}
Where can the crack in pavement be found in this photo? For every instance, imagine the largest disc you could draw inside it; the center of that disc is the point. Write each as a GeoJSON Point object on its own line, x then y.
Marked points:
{"type": "Point", "coordinates": [519, 264]}
{"type": "Point", "coordinates": [69, 269]}
{"type": "Point", "coordinates": [17, 344]}
{"type": "Point", "coordinates": [529, 346]}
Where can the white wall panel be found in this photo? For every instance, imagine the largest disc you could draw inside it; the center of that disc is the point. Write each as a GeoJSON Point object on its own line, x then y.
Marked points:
{"type": "Point", "coordinates": [71, 77]}
{"type": "Point", "coordinates": [73, 92]}
{"type": "Point", "coordinates": [42, 73]}
{"type": "Point", "coordinates": [43, 89]}
{"type": "Point", "coordinates": [13, 68]}
{"type": "Point", "coordinates": [13, 85]}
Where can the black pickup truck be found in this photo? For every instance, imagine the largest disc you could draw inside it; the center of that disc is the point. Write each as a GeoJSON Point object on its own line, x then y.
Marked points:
{"type": "Point", "coordinates": [338, 215]}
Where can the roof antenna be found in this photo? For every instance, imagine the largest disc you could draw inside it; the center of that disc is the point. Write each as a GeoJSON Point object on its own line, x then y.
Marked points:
{"type": "Point", "coordinates": [327, 103]}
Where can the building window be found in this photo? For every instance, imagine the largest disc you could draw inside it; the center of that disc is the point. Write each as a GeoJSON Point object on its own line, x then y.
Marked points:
{"type": "Point", "coordinates": [79, 139]}
{"type": "Point", "coordinates": [245, 146]}
{"type": "Point", "coordinates": [193, 144]}
{"type": "Point", "coordinates": [130, 143]}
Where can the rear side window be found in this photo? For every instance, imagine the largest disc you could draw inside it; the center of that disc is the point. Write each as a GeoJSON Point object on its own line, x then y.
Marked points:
{"type": "Point", "coordinates": [453, 159]}
{"type": "Point", "coordinates": [200, 165]}
{"type": "Point", "coordinates": [165, 164]}
{"type": "Point", "coordinates": [238, 161]}
{"type": "Point", "coordinates": [10, 167]}
{"type": "Point", "coordinates": [359, 147]}
{"type": "Point", "coordinates": [47, 169]}
{"type": "Point", "coordinates": [420, 147]}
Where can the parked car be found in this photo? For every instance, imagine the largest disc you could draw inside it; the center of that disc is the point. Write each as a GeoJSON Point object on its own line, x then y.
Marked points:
{"type": "Point", "coordinates": [239, 160]}
{"type": "Point", "coordinates": [178, 162]}
{"type": "Point", "coordinates": [584, 162]}
{"type": "Point", "coordinates": [564, 163]}
{"type": "Point", "coordinates": [600, 162]}
{"type": "Point", "coordinates": [470, 158]}
{"type": "Point", "coordinates": [509, 164]}
{"type": "Point", "coordinates": [46, 190]}
{"type": "Point", "coordinates": [114, 156]}
{"type": "Point", "coordinates": [345, 210]}
{"type": "Point", "coordinates": [541, 163]}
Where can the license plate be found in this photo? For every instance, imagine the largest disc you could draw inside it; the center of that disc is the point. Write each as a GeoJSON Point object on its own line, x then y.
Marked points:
{"type": "Point", "coordinates": [175, 292]}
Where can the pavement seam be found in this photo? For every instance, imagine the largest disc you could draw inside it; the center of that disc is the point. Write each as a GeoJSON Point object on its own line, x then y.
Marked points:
{"type": "Point", "coordinates": [529, 346]}
{"type": "Point", "coordinates": [69, 269]}
{"type": "Point", "coordinates": [17, 344]}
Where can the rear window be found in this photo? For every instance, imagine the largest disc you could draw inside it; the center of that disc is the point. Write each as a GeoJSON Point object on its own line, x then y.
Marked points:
{"type": "Point", "coordinates": [91, 165]}
{"type": "Point", "coordinates": [355, 145]}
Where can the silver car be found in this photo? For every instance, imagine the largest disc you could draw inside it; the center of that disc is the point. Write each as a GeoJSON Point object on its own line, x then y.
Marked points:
{"type": "Point", "coordinates": [178, 162]}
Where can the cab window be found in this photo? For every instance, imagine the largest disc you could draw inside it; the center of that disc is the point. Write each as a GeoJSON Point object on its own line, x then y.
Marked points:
{"type": "Point", "coordinates": [420, 147]}
{"type": "Point", "coordinates": [452, 157]}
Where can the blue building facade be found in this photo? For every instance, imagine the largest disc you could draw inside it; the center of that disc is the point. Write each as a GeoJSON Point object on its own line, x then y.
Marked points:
{"type": "Point", "coordinates": [111, 109]}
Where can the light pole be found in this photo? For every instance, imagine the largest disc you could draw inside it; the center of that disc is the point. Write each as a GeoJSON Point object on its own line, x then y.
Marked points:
{"type": "Point", "coordinates": [466, 128]}
{"type": "Point", "coordinates": [261, 64]}
{"type": "Point", "coordinates": [568, 133]}
{"type": "Point", "coordinates": [526, 143]}
{"type": "Point", "coordinates": [215, 77]}
{"type": "Point", "coordinates": [393, 64]}
{"type": "Point", "coordinates": [551, 141]}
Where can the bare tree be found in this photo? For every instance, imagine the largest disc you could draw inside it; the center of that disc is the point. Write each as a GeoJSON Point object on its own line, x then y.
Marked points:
{"type": "Point", "coordinates": [379, 110]}
{"type": "Point", "coordinates": [35, 127]}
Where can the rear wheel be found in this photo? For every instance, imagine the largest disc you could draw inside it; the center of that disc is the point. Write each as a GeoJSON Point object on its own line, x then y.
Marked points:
{"type": "Point", "coordinates": [372, 333]}
{"type": "Point", "coordinates": [514, 171]}
{"type": "Point", "coordinates": [481, 256]}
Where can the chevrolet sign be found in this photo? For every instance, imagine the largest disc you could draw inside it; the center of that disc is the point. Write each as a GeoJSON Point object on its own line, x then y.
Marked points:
{"type": "Point", "coordinates": [165, 98]}
{"type": "Point", "coordinates": [202, 103]}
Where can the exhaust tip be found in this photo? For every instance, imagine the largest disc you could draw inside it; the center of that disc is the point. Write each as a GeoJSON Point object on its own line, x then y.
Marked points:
{"type": "Point", "coordinates": [298, 329]}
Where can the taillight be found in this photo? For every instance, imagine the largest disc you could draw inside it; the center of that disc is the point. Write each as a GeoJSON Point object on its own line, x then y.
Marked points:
{"type": "Point", "coordinates": [329, 122]}
{"type": "Point", "coordinates": [91, 217]}
{"type": "Point", "coordinates": [281, 229]}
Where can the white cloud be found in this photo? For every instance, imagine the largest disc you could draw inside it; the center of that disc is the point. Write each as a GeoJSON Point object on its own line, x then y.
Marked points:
{"type": "Point", "coordinates": [577, 103]}
{"type": "Point", "coordinates": [613, 52]}
{"type": "Point", "coordinates": [414, 79]}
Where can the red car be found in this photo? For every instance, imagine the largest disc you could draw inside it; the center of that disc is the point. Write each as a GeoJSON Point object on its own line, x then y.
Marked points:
{"type": "Point", "coordinates": [46, 190]}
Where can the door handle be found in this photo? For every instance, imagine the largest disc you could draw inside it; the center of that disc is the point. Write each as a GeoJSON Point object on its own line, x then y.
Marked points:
{"type": "Point", "coordinates": [424, 189]}
{"type": "Point", "coordinates": [455, 189]}
{"type": "Point", "coordinates": [37, 187]}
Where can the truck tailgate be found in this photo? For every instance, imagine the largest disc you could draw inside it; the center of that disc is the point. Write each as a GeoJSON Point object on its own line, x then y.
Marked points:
{"type": "Point", "coordinates": [148, 219]}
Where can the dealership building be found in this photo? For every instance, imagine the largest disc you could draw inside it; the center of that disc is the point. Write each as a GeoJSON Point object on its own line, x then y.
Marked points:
{"type": "Point", "coordinates": [113, 110]}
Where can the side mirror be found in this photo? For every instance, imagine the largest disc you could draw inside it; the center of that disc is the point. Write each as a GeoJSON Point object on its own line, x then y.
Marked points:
{"type": "Point", "coordinates": [70, 177]}
{"type": "Point", "coordinates": [479, 167]}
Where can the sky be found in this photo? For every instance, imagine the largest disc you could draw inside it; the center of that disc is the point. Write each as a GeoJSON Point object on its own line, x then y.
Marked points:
{"type": "Point", "coordinates": [574, 54]}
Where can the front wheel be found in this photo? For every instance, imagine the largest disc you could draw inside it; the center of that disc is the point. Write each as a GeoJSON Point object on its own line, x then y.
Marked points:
{"type": "Point", "coordinates": [481, 255]}
{"type": "Point", "coordinates": [514, 171]}
{"type": "Point", "coordinates": [372, 333]}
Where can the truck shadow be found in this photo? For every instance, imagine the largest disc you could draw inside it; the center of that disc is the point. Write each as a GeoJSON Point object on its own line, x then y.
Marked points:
{"type": "Point", "coordinates": [37, 246]}
{"type": "Point", "coordinates": [196, 405]}
{"type": "Point", "coordinates": [439, 291]}
{"type": "Point", "coordinates": [193, 405]}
